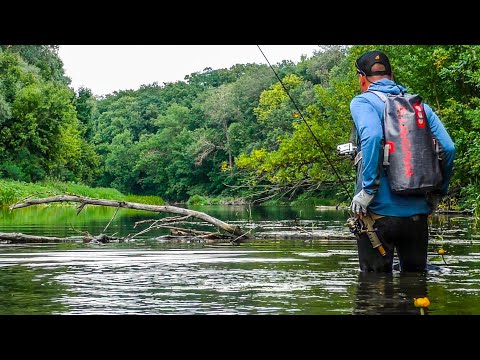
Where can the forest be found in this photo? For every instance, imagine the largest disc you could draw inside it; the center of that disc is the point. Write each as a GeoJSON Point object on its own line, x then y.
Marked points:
{"type": "Point", "coordinates": [226, 135]}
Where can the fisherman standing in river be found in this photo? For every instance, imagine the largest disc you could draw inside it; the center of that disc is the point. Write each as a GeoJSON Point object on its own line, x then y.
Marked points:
{"type": "Point", "coordinates": [400, 218]}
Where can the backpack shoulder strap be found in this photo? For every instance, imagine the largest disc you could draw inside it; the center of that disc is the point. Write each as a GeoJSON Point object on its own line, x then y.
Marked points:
{"type": "Point", "coordinates": [386, 147]}
{"type": "Point", "coordinates": [380, 94]}
{"type": "Point", "coordinates": [354, 134]}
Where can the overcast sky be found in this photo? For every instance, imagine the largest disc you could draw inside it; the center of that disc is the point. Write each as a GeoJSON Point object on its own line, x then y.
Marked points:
{"type": "Point", "coordinates": [106, 68]}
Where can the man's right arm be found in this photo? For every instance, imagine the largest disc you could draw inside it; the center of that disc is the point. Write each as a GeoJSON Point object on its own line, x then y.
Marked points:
{"type": "Point", "coordinates": [447, 147]}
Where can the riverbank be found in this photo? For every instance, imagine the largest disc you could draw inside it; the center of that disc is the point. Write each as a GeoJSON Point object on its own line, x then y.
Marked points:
{"type": "Point", "coordinates": [12, 191]}
{"type": "Point", "coordinates": [302, 200]}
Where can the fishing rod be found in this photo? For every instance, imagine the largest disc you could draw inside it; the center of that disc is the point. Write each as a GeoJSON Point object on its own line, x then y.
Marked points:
{"type": "Point", "coordinates": [357, 226]}
{"type": "Point", "coordinates": [308, 126]}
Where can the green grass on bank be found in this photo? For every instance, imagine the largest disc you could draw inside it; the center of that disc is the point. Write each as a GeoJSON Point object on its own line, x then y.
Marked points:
{"type": "Point", "coordinates": [12, 191]}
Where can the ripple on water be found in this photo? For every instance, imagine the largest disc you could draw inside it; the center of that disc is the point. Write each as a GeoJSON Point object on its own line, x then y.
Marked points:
{"type": "Point", "coordinates": [283, 278]}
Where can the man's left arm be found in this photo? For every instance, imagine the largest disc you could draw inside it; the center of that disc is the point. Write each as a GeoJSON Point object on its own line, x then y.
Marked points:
{"type": "Point", "coordinates": [370, 132]}
{"type": "Point", "coordinates": [369, 129]}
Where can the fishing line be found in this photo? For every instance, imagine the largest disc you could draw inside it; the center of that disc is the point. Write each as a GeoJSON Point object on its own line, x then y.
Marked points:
{"type": "Point", "coordinates": [308, 126]}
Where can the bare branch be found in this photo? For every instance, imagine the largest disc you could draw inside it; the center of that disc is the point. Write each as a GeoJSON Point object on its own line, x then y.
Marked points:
{"type": "Point", "coordinates": [188, 231]}
{"type": "Point", "coordinates": [80, 208]}
{"type": "Point", "coordinates": [166, 220]}
{"type": "Point", "coordinates": [137, 206]}
{"type": "Point", "coordinates": [113, 217]}
{"type": "Point", "coordinates": [206, 149]}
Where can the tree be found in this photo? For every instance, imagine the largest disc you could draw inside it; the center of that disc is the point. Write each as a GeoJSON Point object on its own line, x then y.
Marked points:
{"type": "Point", "coordinates": [39, 128]}
{"type": "Point", "coordinates": [85, 106]}
{"type": "Point", "coordinates": [43, 57]}
{"type": "Point", "coordinates": [221, 111]}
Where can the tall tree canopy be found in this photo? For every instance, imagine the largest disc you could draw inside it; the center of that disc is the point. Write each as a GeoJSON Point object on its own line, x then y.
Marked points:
{"type": "Point", "coordinates": [222, 132]}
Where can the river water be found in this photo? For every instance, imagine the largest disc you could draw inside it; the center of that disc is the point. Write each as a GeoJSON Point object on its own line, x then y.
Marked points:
{"type": "Point", "coordinates": [275, 275]}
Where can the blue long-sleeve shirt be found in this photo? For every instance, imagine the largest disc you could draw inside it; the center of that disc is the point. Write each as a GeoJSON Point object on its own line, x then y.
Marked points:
{"type": "Point", "coordinates": [367, 113]}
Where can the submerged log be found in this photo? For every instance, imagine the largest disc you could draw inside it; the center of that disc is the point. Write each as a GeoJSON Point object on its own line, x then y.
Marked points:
{"type": "Point", "coordinates": [24, 238]}
{"type": "Point", "coordinates": [235, 230]}
{"type": "Point", "coordinates": [454, 212]}
{"type": "Point", "coordinates": [19, 238]}
{"type": "Point", "coordinates": [182, 235]}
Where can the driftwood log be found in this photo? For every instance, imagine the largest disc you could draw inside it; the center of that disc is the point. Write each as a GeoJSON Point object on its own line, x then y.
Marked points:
{"type": "Point", "coordinates": [235, 230]}
{"type": "Point", "coordinates": [24, 238]}
{"type": "Point", "coordinates": [19, 238]}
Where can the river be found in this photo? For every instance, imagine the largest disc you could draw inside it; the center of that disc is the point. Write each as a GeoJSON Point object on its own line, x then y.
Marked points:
{"type": "Point", "coordinates": [271, 276]}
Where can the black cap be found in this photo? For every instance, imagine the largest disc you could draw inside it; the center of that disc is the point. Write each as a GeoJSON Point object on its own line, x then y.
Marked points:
{"type": "Point", "coordinates": [365, 62]}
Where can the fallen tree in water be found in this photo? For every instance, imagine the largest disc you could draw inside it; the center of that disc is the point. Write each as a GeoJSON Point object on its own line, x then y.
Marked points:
{"type": "Point", "coordinates": [233, 233]}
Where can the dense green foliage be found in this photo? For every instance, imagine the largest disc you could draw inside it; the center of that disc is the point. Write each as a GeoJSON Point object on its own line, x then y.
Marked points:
{"type": "Point", "coordinates": [226, 132]}
{"type": "Point", "coordinates": [40, 134]}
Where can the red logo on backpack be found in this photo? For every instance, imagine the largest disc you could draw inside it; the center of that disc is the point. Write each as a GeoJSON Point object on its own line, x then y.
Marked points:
{"type": "Point", "coordinates": [405, 141]}
{"type": "Point", "coordinates": [419, 115]}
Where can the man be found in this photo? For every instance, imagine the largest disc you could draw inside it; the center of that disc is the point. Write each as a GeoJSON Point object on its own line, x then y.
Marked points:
{"type": "Point", "coordinates": [401, 221]}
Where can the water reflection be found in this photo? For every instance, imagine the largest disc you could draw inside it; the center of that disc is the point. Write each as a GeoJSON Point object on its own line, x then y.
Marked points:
{"type": "Point", "coordinates": [389, 293]}
{"type": "Point", "coordinates": [31, 291]}
{"type": "Point", "coordinates": [272, 275]}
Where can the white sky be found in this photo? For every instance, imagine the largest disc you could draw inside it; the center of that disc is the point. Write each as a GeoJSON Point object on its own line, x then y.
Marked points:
{"type": "Point", "coordinates": [106, 68]}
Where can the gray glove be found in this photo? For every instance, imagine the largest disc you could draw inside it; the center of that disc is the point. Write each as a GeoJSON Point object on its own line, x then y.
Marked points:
{"type": "Point", "coordinates": [360, 202]}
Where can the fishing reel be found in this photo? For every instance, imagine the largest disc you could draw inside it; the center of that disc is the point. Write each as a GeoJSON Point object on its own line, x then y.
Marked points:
{"type": "Point", "coordinates": [356, 226]}
{"type": "Point", "coordinates": [347, 149]}
{"type": "Point", "coordinates": [365, 226]}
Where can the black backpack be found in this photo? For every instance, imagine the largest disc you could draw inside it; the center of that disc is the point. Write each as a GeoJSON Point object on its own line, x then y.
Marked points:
{"type": "Point", "coordinates": [410, 152]}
